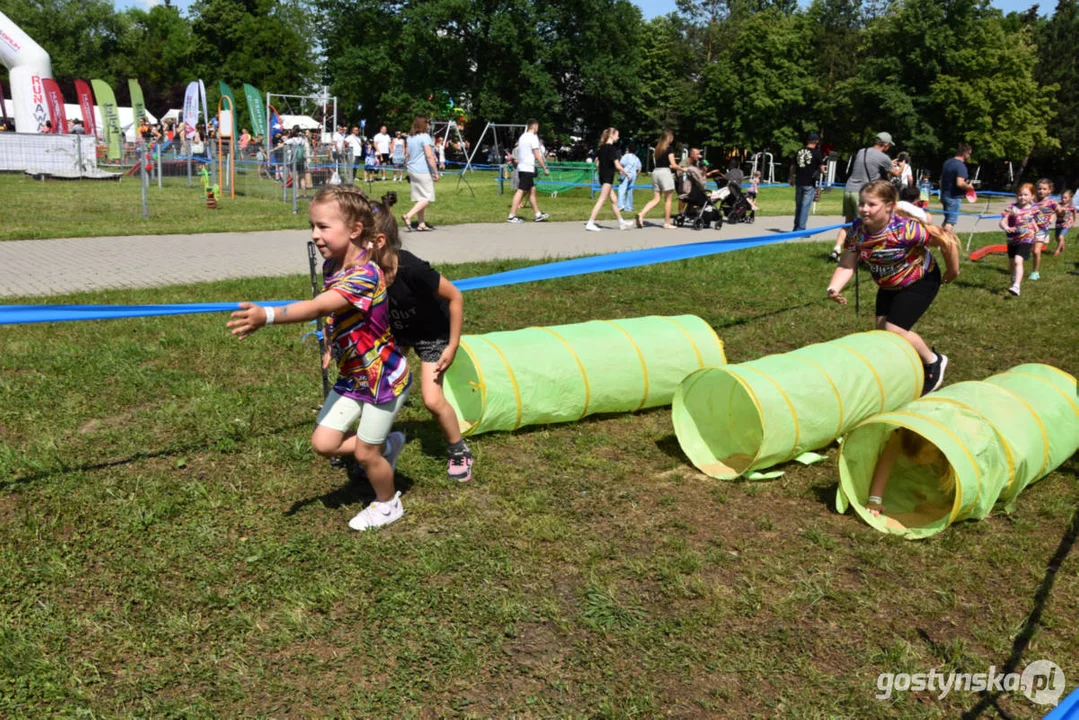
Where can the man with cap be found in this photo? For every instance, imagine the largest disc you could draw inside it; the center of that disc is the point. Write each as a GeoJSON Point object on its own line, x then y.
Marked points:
{"type": "Point", "coordinates": [869, 164]}
{"type": "Point", "coordinates": [808, 166]}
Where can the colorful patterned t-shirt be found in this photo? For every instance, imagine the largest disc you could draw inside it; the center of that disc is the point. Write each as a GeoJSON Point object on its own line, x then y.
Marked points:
{"type": "Point", "coordinates": [1066, 217]}
{"type": "Point", "coordinates": [897, 255]}
{"type": "Point", "coordinates": [1047, 212]}
{"type": "Point", "coordinates": [371, 368]}
{"type": "Point", "coordinates": [1023, 223]}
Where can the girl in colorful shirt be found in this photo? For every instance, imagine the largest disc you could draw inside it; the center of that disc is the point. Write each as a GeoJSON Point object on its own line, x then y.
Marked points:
{"type": "Point", "coordinates": [1047, 213]}
{"type": "Point", "coordinates": [1020, 224]}
{"type": "Point", "coordinates": [896, 249]}
{"type": "Point", "coordinates": [1065, 218]}
{"type": "Point", "coordinates": [374, 378]}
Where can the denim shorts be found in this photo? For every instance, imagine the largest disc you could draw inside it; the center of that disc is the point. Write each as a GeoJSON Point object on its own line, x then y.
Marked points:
{"type": "Point", "coordinates": [951, 209]}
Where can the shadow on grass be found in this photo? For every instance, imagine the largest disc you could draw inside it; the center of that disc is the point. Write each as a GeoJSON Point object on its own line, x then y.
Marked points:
{"type": "Point", "coordinates": [1033, 620]}
{"type": "Point", "coordinates": [205, 444]}
{"type": "Point", "coordinates": [356, 491]}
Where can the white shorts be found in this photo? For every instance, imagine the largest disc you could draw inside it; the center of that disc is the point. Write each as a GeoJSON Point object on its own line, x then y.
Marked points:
{"type": "Point", "coordinates": [1042, 236]}
{"type": "Point", "coordinates": [423, 187]}
{"type": "Point", "coordinates": [374, 421]}
{"type": "Point", "coordinates": [662, 180]}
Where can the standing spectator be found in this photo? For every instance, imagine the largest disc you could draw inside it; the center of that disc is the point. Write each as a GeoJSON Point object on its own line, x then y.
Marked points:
{"type": "Point", "coordinates": [662, 180]}
{"type": "Point", "coordinates": [631, 167]}
{"type": "Point", "coordinates": [382, 148]}
{"type": "Point", "coordinates": [77, 127]}
{"type": "Point", "coordinates": [906, 174]}
{"type": "Point", "coordinates": [245, 141]}
{"type": "Point", "coordinates": [397, 154]}
{"type": "Point", "coordinates": [528, 154]}
{"type": "Point", "coordinates": [422, 172]}
{"type": "Point", "coordinates": [954, 184]}
{"type": "Point", "coordinates": [809, 166]}
{"type": "Point", "coordinates": [871, 163]}
{"type": "Point", "coordinates": [440, 152]}
{"type": "Point", "coordinates": [353, 149]}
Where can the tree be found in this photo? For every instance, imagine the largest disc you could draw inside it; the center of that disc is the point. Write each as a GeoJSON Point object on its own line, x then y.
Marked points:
{"type": "Point", "coordinates": [1058, 64]}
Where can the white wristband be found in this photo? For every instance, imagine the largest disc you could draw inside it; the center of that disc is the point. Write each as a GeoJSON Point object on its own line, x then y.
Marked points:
{"type": "Point", "coordinates": [269, 315]}
{"type": "Point", "coordinates": [875, 499]}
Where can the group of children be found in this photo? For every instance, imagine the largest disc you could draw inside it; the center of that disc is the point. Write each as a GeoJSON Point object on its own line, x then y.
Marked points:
{"type": "Point", "coordinates": [1026, 223]}
{"type": "Point", "coordinates": [379, 300]}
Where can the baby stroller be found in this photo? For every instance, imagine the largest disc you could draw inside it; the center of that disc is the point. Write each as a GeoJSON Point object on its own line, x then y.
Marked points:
{"type": "Point", "coordinates": [700, 211]}
{"type": "Point", "coordinates": [734, 205]}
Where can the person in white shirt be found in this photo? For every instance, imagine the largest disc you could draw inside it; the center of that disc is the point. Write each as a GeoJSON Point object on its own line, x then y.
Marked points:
{"type": "Point", "coordinates": [382, 147]}
{"type": "Point", "coordinates": [353, 149]}
{"type": "Point", "coordinates": [528, 154]}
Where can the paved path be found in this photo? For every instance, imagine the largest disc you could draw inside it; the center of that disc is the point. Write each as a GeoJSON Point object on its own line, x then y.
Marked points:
{"type": "Point", "coordinates": [48, 267]}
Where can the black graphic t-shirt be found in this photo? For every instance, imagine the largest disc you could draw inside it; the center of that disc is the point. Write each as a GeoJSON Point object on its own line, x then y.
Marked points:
{"type": "Point", "coordinates": [808, 161]}
{"type": "Point", "coordinates": [416, 311]}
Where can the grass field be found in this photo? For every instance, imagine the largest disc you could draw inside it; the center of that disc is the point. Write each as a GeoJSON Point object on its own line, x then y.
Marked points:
{"type": "Point", "coordinates": [172, 548]}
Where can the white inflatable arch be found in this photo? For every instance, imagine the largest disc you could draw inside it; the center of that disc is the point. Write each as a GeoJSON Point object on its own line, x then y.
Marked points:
{"type": "Point", "coordinates": [27, 64]}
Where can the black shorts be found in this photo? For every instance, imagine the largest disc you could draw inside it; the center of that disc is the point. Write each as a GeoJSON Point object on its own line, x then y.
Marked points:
{"type": "Point", "coordinates": [384, 158]}
{"type": "Point", "coordinates": [903, 307]}
{"type": "Point", "coordinates": [1021, 250]}
{"type": "Point", "coordinates": [526, 180]}
{"type": "Point", "coordinates": [429, 351]}
{"type": "Point", "coordinates": [606, 178]}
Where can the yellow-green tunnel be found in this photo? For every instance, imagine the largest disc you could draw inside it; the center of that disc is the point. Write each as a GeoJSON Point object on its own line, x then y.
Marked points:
{"type": "Point", "coordinates": [738, 418]}
{"type": "Point", "coordinates": [506, 380]}
{"type": "Point", "coordinates": [996, 437]}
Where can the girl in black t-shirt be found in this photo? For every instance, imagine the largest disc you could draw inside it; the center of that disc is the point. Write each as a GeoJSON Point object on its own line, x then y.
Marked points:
{"type": "Point", "coordinates": [608, 167]}
{"type": "Point", "coordinates": [426, 314]}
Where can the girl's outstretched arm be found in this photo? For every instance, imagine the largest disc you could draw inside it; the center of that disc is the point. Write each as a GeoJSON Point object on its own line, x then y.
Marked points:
{"type": "Point", "coordinates": [449, 292]}
{"type": "Point", "coordinates": [251, 317]}
{"type": "Point", "coordinates": [881, 472]}
{"type": "Point", "coordinates": [841, 277]}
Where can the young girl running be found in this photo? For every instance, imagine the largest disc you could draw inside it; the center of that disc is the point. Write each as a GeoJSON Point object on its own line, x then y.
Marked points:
{"type": "Point", "coordinates": [609, 166]}
{"type": "Point", "coordinates": [897, 252]}
{"type": "Point", "coordinates": [1020, 223]}
{"type": "Point", "coordinates": [1047, 213]}
{"type": "Point", "coordinates": [374, 377]}
{"type": "Point", "coordinates": [426, 313]}
{"type": "Point", "coordinates": [1065, 219]}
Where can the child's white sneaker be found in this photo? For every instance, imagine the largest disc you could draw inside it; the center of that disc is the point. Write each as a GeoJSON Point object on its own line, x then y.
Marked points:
{"type": "Point", "coordinates": [378, 514]}
{"type": "Point", "coordinates": [592, 227]}
{"type": "Point", "coordinates": [624, 224]}
{"type": "Point", "coordinates": [1014, 290]}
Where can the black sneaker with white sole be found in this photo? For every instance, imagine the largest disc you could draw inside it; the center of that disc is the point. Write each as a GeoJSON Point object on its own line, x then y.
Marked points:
{"type": "Point", "coordinates": [934, 373]}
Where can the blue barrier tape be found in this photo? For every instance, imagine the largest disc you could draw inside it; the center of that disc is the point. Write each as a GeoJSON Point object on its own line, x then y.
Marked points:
{"type": "Point", "coordinates": [1068, 709]}
{"type": "Point", "coordinates": [23, 314]}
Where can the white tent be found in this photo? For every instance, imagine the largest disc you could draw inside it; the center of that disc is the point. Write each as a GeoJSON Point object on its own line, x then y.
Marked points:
{"type": "Point", "coordinates": [127, 116]}
{"type": "Point", "coordinates": [304, 121]}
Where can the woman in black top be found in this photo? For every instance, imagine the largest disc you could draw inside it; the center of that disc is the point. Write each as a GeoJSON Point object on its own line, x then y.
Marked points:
{"type": "Point", "coordinates": [662, 180]}
{"type": "Point", "coordinates": [608, 167]}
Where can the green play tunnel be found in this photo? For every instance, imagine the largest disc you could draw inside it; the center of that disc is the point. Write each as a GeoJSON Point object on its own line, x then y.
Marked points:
{"type": "Point", "coordinates": [506, 380]}
{"type": "Point", "coordinates": [739, 418]}
{"type": "Point", "coordinates": [994, 438]}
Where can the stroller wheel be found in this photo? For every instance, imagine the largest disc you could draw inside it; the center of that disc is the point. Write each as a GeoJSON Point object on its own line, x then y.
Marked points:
{"type": "Point", "coordinates": [751, 216]}
{"type": "Point", "coordinates": [697, 224]}
{"type": "Point", "coordinates": [680, 220]}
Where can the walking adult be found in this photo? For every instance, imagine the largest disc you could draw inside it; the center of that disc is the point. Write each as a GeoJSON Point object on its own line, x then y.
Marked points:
{"type": "Point", "coordinates": [528, 154]}
{"type": "Point", "coordinates": [608, 166]}
{"type": "Point", "coordinates": [954, 184]}
{"type": "Point", "coordinates": [662, 180]}
{"type": "Point", "coordinates": [382, 148]}
{"type": "Point", "coordinates": [422, 172]}
{"type": "Point", "coordinates": [808, 167]}
{"type": "Point", "coordinates": [353, 149]}
{"type": "Point", "coordinates": [871, 163]}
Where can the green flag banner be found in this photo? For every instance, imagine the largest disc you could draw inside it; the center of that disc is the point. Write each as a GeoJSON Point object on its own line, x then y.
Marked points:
{"type": "Point", "coordinates": [110, 117]}
{"type": "Point", "coordinates": [138, 105]}
{"type": "Point", "coordinates": [226, 91]}
{"type": "Point", "coordinates": [255, 109]}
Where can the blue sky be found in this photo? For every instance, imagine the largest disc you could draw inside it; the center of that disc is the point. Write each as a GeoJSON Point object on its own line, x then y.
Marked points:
{"type": "Point", "coordinates": [650, 8]}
